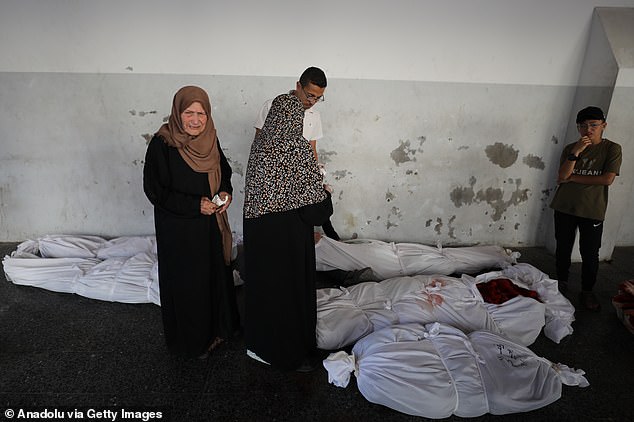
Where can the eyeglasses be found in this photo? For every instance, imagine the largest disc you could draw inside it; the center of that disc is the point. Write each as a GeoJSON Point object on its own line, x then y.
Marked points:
{"type": "Point", "coordinates": [312, 98]}
{"type": "Point", "coordinates": [588, 126]}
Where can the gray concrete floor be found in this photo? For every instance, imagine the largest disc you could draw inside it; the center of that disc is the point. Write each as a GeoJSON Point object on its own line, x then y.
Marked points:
{"type": "Point", "coordinates": [65, 351]}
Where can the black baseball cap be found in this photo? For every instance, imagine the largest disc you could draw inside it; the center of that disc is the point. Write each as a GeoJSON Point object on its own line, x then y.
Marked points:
{"type": "Point", "coordinates": [590, 113]}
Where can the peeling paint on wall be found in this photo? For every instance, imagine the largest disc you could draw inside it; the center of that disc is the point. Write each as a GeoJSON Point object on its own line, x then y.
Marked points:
{"type": "Point", "coordinates": [395, 211]}
{"type": "Point", "coordinates": [405, 152]}
{"type": "Point", "coordinates": [451, 227]}
{"type": "Point", "coordinates": [463, 147]}
{"type": "Point", "coordinates": [324, 156]}
{"type": "Point", "coordinates": [501, 154]}
{"type": "Point", "coordinates": [411, 172]}
{"type": "Point", "coordinates": [438, 225]}
{"type": "Point", "coordinates": [554, 140]}
{"type": "Point", "coordinates": [340, 174]}
{"type": "Point", "coordinates": [546, 194]}
{"type": "Point", "coordinates": [389, 196]}
{"type": "Point", "coordinates": [142, 113]}
{"type": "Point", "coordinates": [463, 196]}
{"type": "Point", "coordinates": [545, 198]}
{"type": "Point", "coordinates": [534, 161]}
{"type": "Point", "coordinates": [492, 196]}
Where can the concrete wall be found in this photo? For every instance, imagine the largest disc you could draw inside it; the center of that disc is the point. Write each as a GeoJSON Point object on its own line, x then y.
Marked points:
{"type": "Point", "coordinates": [619, 27]}
{"type": "Point", "coordinates": [606, 81]}
{"type": "Point", "coordinates": [442, 121]}
{"type": "Point", "coordinates": [620, 231]}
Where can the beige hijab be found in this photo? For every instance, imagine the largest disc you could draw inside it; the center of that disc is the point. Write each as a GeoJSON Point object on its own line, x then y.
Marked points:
{"type": "Point", "coordinates": [200, 152]}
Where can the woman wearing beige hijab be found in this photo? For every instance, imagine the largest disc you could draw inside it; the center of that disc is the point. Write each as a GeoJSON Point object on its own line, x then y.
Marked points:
{"type": "Point", "coordinates": [188, 180]}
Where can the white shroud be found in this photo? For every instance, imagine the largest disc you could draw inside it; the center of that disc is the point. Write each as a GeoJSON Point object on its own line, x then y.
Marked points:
{"type": "Point", "coordinates": [123, 269]}
{"type": "Point", "coordinates": [344, 315]}
{"type": "Point", "coordinates": [436, 370]}
{"type": "Point", "coordinates": [389, 260]}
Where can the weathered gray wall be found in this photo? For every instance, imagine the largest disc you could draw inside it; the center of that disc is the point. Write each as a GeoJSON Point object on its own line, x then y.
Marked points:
{"type": "Point", "coordinates": [471, 165]}
{"type": "Point", "coordinates": [418, 161]}
{"type": "Point", "coordinates": [607, 80]}
{"type": "Point", "coordinates": [619, 26]}
{"type": "Point", "coordinates": [442, 121]}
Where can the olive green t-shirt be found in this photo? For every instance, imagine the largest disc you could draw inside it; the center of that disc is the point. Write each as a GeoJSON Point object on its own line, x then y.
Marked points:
{"type": "Point", "coordinates": [588, 201]}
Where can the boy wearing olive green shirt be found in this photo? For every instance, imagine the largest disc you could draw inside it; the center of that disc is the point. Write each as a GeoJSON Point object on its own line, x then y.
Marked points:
{"type": "Point", "coordinates": [587, 168]}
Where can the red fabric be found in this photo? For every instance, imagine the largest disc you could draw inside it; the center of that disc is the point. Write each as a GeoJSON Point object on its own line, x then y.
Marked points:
{"type": "Point", "coordinates": [500, 290]}
{"type": "Point", "coordinates": [627, 287]}
{"type": "Point", "coordinates": [623, 300]}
